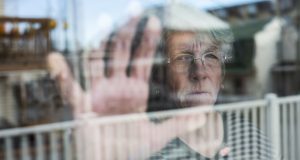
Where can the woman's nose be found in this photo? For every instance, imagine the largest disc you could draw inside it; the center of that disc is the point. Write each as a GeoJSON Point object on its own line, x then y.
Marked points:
{"type": "Point", "coordinates": [198, 70]}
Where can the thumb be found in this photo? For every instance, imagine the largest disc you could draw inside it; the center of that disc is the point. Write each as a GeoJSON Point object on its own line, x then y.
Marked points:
{"type": "Point", "coordinates": [70, 89]}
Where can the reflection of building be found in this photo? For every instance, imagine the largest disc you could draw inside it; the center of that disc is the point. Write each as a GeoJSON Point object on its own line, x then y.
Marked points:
{"type": "Point", "coordinates": [286, 72]}
{"type": "Point", "coordinates": [24, 45]}
{"type": "Point", "coordinates": [265, 52]}
{"type": "Point", "coordinates": [244, 12]}
{"type": "Point", "coordinates": [27, 94]}
{"type": "Point", "coordinates": [245, 19]}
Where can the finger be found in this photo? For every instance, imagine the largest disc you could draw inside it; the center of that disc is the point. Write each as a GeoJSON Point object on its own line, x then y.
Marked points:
{"type": "Point", "coordinates": [57, 66]}
{"type": "Point", "coordinates": [143, 57]}
{"type": "Point", "coordinates": [119, 51]}
{"type": "Point", "coordinates": [69, 88]}
{"type": "Point", "coordinates": [95, 65]}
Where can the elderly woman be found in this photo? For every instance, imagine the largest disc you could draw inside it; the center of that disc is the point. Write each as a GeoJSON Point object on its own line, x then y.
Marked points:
{"type": "Point", "coordinates": [194, 55]}
{"type": "Point", "coordinates": [189, 73]}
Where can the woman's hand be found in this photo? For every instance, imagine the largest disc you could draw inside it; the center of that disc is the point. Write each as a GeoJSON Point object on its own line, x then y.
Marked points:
{"type": "Point", "coordinates": [114, 92]}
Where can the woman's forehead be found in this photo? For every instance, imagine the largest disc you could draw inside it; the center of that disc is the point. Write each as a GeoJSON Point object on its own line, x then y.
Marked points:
{"type": "Point", "coordinates": [190, 41]}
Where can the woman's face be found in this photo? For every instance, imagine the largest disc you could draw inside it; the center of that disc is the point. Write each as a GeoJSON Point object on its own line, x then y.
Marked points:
{"type": "Point", "coordinates": [195, 83]}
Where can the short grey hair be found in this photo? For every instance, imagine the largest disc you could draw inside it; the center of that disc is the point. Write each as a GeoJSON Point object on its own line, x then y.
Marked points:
{"type": "Point", "coordinates": [182, 18]}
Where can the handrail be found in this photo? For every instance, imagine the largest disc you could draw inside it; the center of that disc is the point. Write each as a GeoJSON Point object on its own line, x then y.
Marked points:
{"type": "Point", "coordinates": [132, 117]}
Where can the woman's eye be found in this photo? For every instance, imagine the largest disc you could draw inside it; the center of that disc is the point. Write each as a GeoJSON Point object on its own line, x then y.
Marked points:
{"type": "Point", "coordinates": [184, 58]}
{"type": "Point", "coordinates": [211, 56]}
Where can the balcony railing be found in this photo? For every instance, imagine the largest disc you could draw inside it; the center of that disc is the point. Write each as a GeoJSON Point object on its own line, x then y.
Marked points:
{"type": "Point", "coordinates": [24, 42]}
{"type": "Point", "coordinates": [117, 137]}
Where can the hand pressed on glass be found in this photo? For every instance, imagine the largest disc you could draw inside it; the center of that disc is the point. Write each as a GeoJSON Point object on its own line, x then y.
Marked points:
{"type": "Point", "coordinates": [116, 92]}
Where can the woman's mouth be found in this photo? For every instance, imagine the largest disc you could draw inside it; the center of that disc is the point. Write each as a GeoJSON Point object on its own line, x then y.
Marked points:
{"type": "Point", "coordinates": [199, 93]}
{"type": "Point", "coordinates": [198, 96]}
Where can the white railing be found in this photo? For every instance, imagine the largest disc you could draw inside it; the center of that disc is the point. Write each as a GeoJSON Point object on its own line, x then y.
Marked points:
{"type": "Point", "coordinates": [96, 138]}
{"type": "Point", "coordinates": [289, 111]}
{"type": "Point", "coordinates": [49, 141]}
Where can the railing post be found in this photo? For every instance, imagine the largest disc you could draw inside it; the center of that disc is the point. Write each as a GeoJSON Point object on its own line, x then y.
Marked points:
{"type": "Point", "coordinates": [274, 122]}
{"type": "Point", "coordinates": [8, 149]}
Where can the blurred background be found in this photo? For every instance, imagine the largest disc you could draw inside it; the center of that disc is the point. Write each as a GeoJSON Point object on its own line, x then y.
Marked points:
{"type": "Point", "coordinates": [265, 58]}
